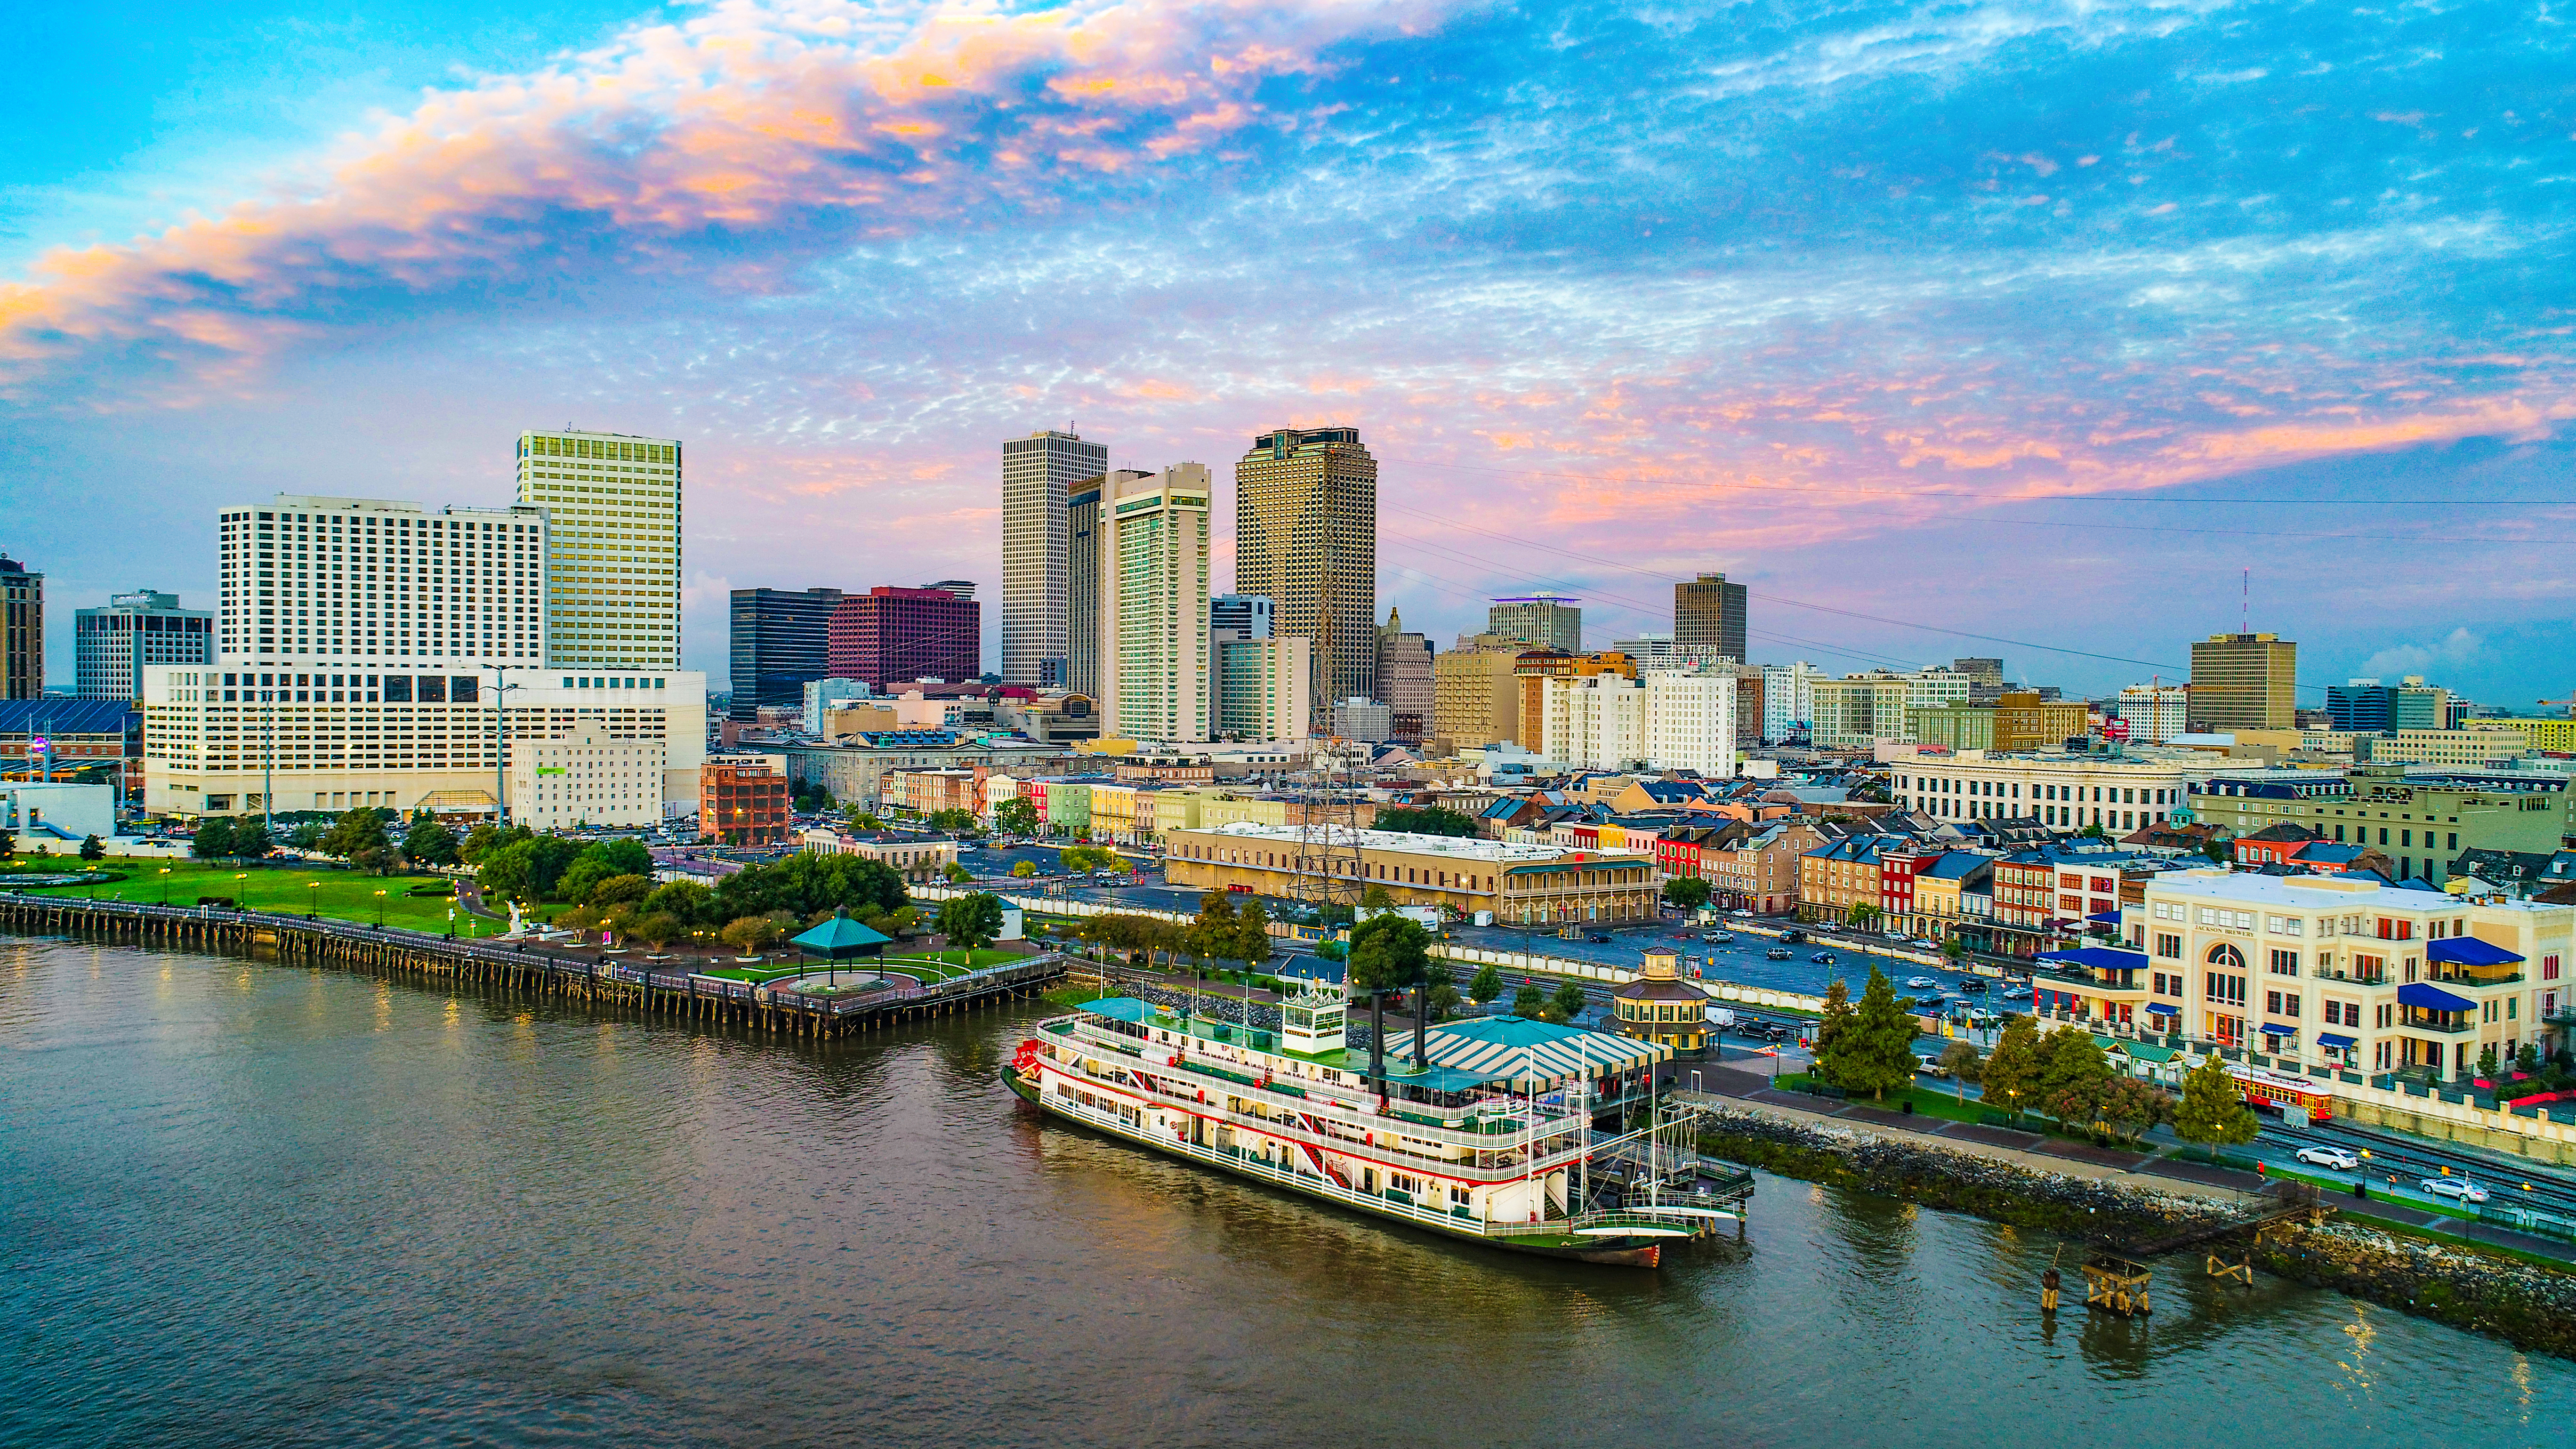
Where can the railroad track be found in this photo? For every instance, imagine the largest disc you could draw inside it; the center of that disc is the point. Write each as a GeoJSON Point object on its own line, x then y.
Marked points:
{"type": "Point", "coordinates": [2413, 1161]}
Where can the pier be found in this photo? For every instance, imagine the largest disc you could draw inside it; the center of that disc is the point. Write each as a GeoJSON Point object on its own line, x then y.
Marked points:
{"type": "Point", "coordinates": [644, 986]}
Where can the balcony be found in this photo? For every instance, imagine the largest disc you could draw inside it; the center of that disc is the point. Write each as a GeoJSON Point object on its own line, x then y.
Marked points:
{"type": "Point", "coordinates": [2356, 978]}
{"type": "Point", "coordinates": [2436, 1026]}
{"type": "Point", "coordinates": [2088, 981]}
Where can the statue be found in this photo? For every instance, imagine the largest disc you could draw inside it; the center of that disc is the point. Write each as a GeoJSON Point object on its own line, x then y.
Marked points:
{"type": "Point", "coordinates": [518, 924]}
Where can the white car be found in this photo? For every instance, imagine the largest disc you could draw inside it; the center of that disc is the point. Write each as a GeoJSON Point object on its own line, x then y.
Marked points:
{"type": "Point", "coordinates": [1930, 1066]}
{"type": "Point", "coordinates": [2334, 1157]}
{"type": "Point", "coordinates": [2458, 1187]}
{"type": "Point", "coordinates": [1919, 983]}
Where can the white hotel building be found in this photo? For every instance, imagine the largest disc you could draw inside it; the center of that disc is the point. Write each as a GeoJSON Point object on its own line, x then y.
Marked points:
{"type": "Point", "coordinates": [2120, 793]}
{"type": "Point", "coordinates": [374, 653]}
{"type": "Point", "coordinates": [1663, 719]}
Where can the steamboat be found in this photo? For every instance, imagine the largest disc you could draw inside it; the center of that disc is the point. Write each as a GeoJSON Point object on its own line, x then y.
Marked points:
{"type": "Point", "coordinates": [1490, 1130]}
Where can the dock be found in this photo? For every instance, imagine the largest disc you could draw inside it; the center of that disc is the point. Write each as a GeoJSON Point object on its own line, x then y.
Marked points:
{"type": "Point", "coordinates": [649, 987]}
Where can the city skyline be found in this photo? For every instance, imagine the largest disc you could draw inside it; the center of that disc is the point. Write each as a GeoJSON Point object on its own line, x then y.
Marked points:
{"type": "Point", "coordinates": [2032, 351]}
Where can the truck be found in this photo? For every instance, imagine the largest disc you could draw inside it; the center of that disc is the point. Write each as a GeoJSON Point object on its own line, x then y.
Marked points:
{"type": "Point", "coordinates": [1427, 917]}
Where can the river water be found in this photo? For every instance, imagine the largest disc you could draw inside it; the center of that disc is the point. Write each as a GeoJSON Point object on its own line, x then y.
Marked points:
{"type": "Point", "coordinates": [241, 1204]}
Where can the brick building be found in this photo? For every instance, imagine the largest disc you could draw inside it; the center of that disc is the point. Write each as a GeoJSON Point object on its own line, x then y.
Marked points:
{"type": "Point", "coordinates": [895, 636]}
{"type": "Point", "coordinates": [742, 802]}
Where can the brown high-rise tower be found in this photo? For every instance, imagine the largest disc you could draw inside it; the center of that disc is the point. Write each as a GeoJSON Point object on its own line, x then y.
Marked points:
{"type": "Point", "coordinates": [1708, 617]}
{"type": "Point", "coordinates": [1305, 537]}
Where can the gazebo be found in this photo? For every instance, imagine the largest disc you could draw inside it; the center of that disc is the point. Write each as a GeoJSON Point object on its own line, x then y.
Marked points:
{"type": "Point", "coordinates": [1662, 1008]}
{"type": "Point", "coordinates": [839, 939]}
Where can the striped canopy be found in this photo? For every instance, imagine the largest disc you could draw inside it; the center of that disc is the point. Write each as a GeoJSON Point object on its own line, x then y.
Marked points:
{"type": "Point", "coordinates": [1531, 1055]}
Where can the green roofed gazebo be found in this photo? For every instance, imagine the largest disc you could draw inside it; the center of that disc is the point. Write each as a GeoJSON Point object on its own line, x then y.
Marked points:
{"type": "Point", "coordinates": [840, 938]}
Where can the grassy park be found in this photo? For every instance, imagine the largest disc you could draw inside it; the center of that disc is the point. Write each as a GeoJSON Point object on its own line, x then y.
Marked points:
{"type": "Point", "coordinates": [346, 895]}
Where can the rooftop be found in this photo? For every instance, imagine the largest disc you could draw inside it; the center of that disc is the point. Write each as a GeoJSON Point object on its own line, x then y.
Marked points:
{"type": "Point", "coordinates": [1454, 847]}
{"type": "Point", "coordinates": [2310, 892]}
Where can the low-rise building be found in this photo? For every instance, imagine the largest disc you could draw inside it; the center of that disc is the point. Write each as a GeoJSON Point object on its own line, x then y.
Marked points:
{"type": "Point", "coordinates": [2423, 822]}
{"type": "Point", "coordinates": [2064, 791]}
{"type": "Point", "coordinates": [2549, 736]}
{"type": "Point", "coordinates": [928, 792]}
{"type": "Point", "coordinates": [742, 801]}
{"type": "Point", "coordinates": [2469, 747]}
{"type": "Point", "coordinates": [1540, 885]}
{"type": "Point", "coordinates": [1759, 868]}
{"type": "Point", "coordinates": [922, 858]}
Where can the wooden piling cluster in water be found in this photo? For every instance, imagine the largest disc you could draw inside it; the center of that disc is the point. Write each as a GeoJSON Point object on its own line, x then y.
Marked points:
{"type": "Point", "coordinates": [510, 966]}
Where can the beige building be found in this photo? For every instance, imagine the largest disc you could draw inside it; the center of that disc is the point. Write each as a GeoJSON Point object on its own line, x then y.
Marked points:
{"type": "Point", "coordinates": [915, 857]}
{"type": "Point", "coordinates": [1475, 701]}
{"type": "Point", "coordinates": [2446, 747]}
{"type": "Point", "coordinates": [1858, 710]}
{"type": "Point", "coordinates": [1264, 688]}
{"type": "Point", "coordinates": [1154, 674]}
{"type": "Point", "coordinates": [2326, 970]}
{"type": "Point", "coordinates": [1540, 885]}
{"type": "Point", "coordinates": [2244, 681]}
{"type": "Point", "coordinates": [2063, 791]}
{"type": "Point", "coordinates": [586, 779]}
{"type": "Point", "coordinates": [612, 560]}
{"type": "Point", "coordinates": [927, 792]}
{"type": "Point", "coordinates": [1305, 537]}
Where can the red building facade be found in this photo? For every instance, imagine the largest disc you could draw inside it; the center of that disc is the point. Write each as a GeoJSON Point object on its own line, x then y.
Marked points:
{"type": "Point", "coordinates": [889, 636]}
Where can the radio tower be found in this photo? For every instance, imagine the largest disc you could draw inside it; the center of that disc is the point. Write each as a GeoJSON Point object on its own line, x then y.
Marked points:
{"type": "Point", "coordinates": [1328, 838]}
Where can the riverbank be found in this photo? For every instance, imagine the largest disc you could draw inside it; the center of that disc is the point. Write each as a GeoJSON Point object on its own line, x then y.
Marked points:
{"type": "Point", "coordinates": [2526, 1304]}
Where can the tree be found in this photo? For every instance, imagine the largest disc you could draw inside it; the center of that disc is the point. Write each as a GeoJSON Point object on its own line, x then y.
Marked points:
{"type": "Point", "coordinates": [93, 848]}
{"type": "Point", "coordinates": [1878, 1049]}
{"type": "Point", "coordinates": [1251, 935]}
{"type": "Point", "coordinates": [359, 837]}
{"type": "Point", "coordinates": [250, 839]}
{"type": "Point", "coordinates": [863, 819]}
{"type": "Point", "coordinates": [1529, 1001]}
{"type": "Point", "coordinates": [2528, 1062]}
{"type": "Point", "coordinates": [1391, 953]}
{"type": "Point", "coordinates": [972, 920]}
{"type": "Point", "coordinates": [685, 900]}
{"type": "Point", "coordinates": [623, 890]}
{"type": "Point", "coordinates": [2486, 1057]}
{"type": "Point", "coordinates": [1487, 985]}
{"type": "Point", "coordinates": [1212, 932]}
{"type": "Point", "coordinates": [1023, 869]}
{"type": "Point", "coordinates": [1962, 1061]}
{"type": "Point", "coordinates": [2011, 1072]}
{"type": "Point", "coordinates": [214, 838]}
{"type": "Point", "coordinates": [307, 834]}
{"type": "Point", "coordinates": [1954, 948]}
{"type": "Point", "coordinates": [487, 837]}
{"type": "Point", "coordinates": [1688, 892]}
{"type": "Point", "coordinates": [429, 840]}
{"type": "Point", "coordinates": [2072, 1064]}
{"type": "Point", "coordinates": [1569, 1001]}
{"type": "Point", "coordinates": [2212, 1111]}
{"type": "Point", "coordinates": [1016, 816]}
{"type": "Point", "coordinates": [2131, 1107]}
{"type": "Point", "coordinates": [8, 844]}
{"type": "Point", "coordinates": [958, 874]}
{"type": "Point", "coordinates": [1375, 898]}
{"type": "Point", "coordinates": [1861, 915]}
{"type": "Point", "coordinates": [655, 929]}
{"type": "Point", "coordinates": [753, 933]}
{"type": "Point", "coordinates": [1426, 820]}
{"type": "Point", "coordinates": [1832, 1031]}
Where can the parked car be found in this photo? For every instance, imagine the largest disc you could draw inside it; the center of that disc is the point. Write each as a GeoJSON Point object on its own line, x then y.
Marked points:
{"type": "Point", "coordinates": [1739, 915]}
{"type": "Point", "coordinates": [1776, 953]}
{"type": "Point", "coordinates": [2334, 1157]}
{"type": "Point", "coordinates": [1930, 1065]}
{"type": "Point", "coordinates": [1920, 982]}
{"type": "Point", "coordinates": [1598, 939]}
{"type": "Point", "coordinates": [1720, 938]}
{"type": "Point", "coordinates": [1926, 942]}
{"type": "Point", "coordinates": [2455, 1187]}
{"type": "Point", "coordinates": [1972, 984]}
{"type": "Point", "coordinates": [1793, 936]}
{"type": "Point", "coordinates": [1823, 958]}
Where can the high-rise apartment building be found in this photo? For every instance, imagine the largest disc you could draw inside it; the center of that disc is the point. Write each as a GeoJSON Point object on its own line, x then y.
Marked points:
{"type": "Point", "coordinates": [1039, 475]}
{"type": "Point", "coordinates": [1232, 617]}
{"type": "Point", "coordinates": [781, 638]}
{"type": "Point", "coordinates": [112, 645]}
{"type": "Point", "coordinates": [1708, 618]}
{"type": "Point", "coordinates": [22, 631]}
{"type": "Point", "coordinates": [1650, 650]}
{"type": "Point", "coordinates": [2155, 713]}
{"type": "Point", "coordinates": [2244, 682]}
{"type": "Point", "coordinates": [312, 582]}
{"type": "Point", "coordinates": [613, 518]}
{"type": "Point", "coordinates": [1789, 699]}
{"type": "Point", "coordinates": [1531, 670]}
{"type": "Point", "coordinates": [1549, 621]}
{"type": "Point", "coordinates": [1263, 685]}
{"type": "Point", "coordinates": [2368, 706]}
{"type": "Point", "coordinates": [1404, 677]}
{"type": "Point", "coordinates": [1663, 720]}
{"type": "Point", "coordinates": [1154, 605]}
{"type": "Point", "coordinates": [1305, 536]}
{"type": "Point", "coordinates": [890, 636]}
{"type": "Point", "coordinates": [1857, 710]}
{"type": "Point", "coordinates": [1082, 585]}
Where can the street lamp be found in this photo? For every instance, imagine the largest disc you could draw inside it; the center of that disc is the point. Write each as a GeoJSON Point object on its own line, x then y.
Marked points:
{"type": "Point", "coordinates": [165, 885]}
{"type": "Point", "coordinates": [380, 910]}
{"type": "Point", "coordinates": [312, 902]}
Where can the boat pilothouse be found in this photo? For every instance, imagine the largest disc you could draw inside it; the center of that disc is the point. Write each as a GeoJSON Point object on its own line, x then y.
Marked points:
{"type": "Point", "coordinates": [1481, 1129]}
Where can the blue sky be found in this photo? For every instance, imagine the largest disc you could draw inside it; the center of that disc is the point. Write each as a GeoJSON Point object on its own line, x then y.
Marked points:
{"type": "Point", "coordinates": [1960, 329]}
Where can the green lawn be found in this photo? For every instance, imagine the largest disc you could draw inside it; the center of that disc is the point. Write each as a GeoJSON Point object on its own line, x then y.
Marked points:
{"type": "Point", "coordinates": [966, 961]}
{"type": "Point", "coordinates": [1928, 1101]}
{"type": "Point", "coordinates": [342, 894]}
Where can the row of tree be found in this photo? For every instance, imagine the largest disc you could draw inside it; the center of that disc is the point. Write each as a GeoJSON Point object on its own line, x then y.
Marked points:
{"type": "Point", "coordinates": [365, 837]}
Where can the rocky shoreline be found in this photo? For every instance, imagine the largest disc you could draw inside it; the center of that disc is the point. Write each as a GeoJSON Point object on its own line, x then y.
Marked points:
{"type": "Point", "coordinates": [2528, 1306]}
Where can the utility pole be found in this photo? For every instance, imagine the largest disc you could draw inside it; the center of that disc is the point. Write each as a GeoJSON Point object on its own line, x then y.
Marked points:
{"type": "Point", "coordinates": [268, 763]}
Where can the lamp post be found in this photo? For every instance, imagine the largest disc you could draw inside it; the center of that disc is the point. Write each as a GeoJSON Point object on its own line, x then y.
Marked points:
{"type": "Point", "coordinates": [501, 688]}
{"type": "Point", "coordinates": [239, 890]}
{"type": "Point", "coordinates": [312, 901]}
{"type": "Point", "coordinates": [165, 885]}
{"type": "Point", "coordinates": [380, 910]}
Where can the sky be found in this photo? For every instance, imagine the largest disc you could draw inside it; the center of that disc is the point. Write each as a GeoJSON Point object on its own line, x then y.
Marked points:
{"type": "Point", "coordinates": [2066, 333]}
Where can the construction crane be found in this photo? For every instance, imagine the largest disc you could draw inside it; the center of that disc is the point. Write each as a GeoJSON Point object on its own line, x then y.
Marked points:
{"type": "Point", "coordinates": [2567, 704]}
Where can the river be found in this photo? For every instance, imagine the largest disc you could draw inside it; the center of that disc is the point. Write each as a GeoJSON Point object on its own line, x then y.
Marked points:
{"type": "Point", "coordinates": [250, 1205]}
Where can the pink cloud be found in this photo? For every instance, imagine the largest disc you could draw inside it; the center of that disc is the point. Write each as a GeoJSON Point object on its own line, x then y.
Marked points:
{"type": "Point", "coordinates": [758, 114]}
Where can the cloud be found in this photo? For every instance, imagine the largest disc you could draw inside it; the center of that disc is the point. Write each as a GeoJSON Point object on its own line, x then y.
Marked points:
{"type": "Point", "coordinates": [2456, 650]}
{"type": "Point", "coordinates": [757, 131]}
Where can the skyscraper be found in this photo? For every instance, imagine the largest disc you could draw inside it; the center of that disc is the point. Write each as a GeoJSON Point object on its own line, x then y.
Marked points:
{"type": "Point", "coordinates": [1081, 673]}
{"type": "Point", "coordinates": [112, 645]}
{"type": "Point", "coordinates": [612, 507]}
{"type": "Point", "coordinates": [341, 581]}
{"type": "Point", "coordinates": [1708, 618]}
{"type": "Point", "coordinates": [1262, 688]}
{"type": "Point", "coordinates": [1154, 605]}
{"type": "Point", "coordinates": [781, 638]}
{"type": "Point", "coordinates": [2244, 682]}
{"type": "Point", "coordinates": [1305, 535]}
{"type": "Point", "coordinates": [891, 637]}
{"type": "Point", "coordinates": [1404, 677]}
{"type": "Point", "coordinates": [1550, 621]}
{"type": "Point", "coordinates": [1039, 473]}
{"type": "Point", "coordinates": [22, 631]}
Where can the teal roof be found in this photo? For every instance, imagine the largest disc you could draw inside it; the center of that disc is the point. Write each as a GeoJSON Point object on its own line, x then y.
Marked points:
{"type": "Point", "coordinates": [1123, 1008]}
{"type": "Point", "coordinates": [840, 936]}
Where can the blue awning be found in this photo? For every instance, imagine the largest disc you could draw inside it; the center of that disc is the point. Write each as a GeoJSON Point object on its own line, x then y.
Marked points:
{"type": "Point", "coordinates": [2469, 951]}
{"type": "Point", "coordinates": [2107, 918]}
{"type": "Point", "coordinates": [2427, 996]}
{"type": "Point", "coordinates": [2274, 1028]}
{"type": "Point", "coordinates": [2098, 958]}
{"type": "Point", "coordinates": [2158, 1008]}
{"type": "Point", "coordinates": [2329, 1039]}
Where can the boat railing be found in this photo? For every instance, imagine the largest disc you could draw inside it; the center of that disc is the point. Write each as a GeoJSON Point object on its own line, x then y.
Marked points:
{"type": "Point", "coordinates": [1504, 1161]}
{"type": "Point", "coordinates": [1398, 1205]}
